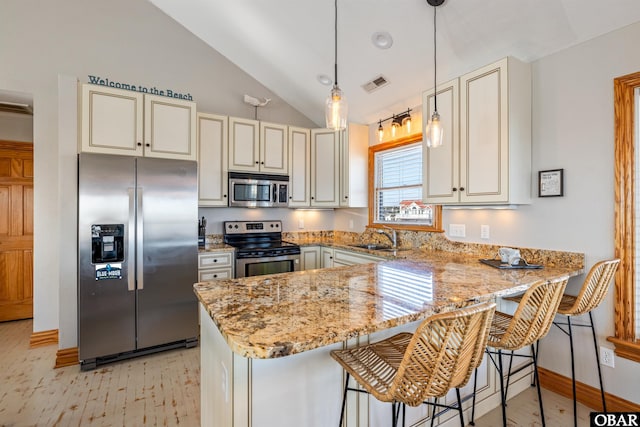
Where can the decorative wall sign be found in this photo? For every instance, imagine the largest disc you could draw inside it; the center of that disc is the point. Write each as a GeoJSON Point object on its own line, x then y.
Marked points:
{"type": "Point", "coordinates": [551, 183]}
{"type": "Point", "coordinates": [97, 80]}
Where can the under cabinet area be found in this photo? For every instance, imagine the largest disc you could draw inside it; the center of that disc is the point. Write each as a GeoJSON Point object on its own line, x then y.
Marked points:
{"type": "Point", "coordinates": [117, 121]}
{"type": "Point", "coordinates": [215, 265]}
{"type": "Point", "coordinates": [486, 155]}
{"type": "Point", "coordinates": [256, 146]}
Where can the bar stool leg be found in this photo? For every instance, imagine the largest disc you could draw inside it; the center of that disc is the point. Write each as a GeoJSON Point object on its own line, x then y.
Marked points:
{"type": "Point", "coordinates": [433, 415]}
{"type": "Point", "coordinates": [473, 401]}
{"type": "Point", "coordinates": [344, 400]}
{"type": "Point", "coordinates": [595, 344]}
{"type": "Point", "coordinates": [460, 407]}
{"type": "Point", "coordinates": [573, 374]}
{"type": "Point", "coordinates": [502, 396]}
{"type": "Point", "coordinates": [535, 367]}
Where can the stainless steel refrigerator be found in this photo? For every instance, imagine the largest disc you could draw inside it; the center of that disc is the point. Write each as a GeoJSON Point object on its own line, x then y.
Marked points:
{"type": "Point", "coordinates": [137, 256]}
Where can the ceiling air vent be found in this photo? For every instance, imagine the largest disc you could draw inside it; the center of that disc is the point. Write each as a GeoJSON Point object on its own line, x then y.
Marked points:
{"type": "Point", "coordinates": [12, 107]}
{"type": "Point", "coordinates": [376, 83]}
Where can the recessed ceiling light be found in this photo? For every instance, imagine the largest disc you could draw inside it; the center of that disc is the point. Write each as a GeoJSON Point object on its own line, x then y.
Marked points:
{"type": "Point", "coordinates": [324, 79]}
{"type": "Point", "coordinates": [382, 40]}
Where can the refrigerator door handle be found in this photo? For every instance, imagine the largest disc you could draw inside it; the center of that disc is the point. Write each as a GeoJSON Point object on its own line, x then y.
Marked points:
{"type": "Point", "coordinates": [131, 242]}
{"type": "Point", "coordinates": [139, 239]}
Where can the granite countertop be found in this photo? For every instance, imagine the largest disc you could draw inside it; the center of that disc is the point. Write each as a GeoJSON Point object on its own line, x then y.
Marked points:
{"type": "Point", "coordinates": [282, 314]}
{"type": "Point", "coordinates": [216, 247]}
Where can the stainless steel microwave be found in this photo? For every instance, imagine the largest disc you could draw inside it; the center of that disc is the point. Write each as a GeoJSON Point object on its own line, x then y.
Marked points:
{"type": "Point", "coordinates": [253, 190]}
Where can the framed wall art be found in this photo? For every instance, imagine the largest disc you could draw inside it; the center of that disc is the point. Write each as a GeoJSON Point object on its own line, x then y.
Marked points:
{"type": "Point", "coordinates": [551, 183]}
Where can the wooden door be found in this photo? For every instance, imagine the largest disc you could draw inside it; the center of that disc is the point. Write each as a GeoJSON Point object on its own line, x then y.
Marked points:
{"type": "Point", "coordinates": [16, 230]}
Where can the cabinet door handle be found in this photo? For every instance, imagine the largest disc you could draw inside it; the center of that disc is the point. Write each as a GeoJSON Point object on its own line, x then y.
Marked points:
{"type": "Point", "coordinates": [454, 189]}
{"type": "Point", "coordinates": [215, 275]}
{"type": "Point", "coordinates": [148, 145]}
{"type": "Point", "coordinates": [312, 198]}
{"type": "Point", "coordinates": [215, 260]}
{"type": "Point", "coordinates": [257, 162]}
{"type": "Point", "coordinates": [139, 144]}
{"type": "Point", "coordinates": [461, 188]}
{"type": "Point", "coordinates": [262, 163]}
{"type": "Point", "coordinates": [225, 196]}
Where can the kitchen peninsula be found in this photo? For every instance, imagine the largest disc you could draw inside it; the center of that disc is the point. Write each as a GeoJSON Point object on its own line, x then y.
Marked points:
{"type": "Point", "coordinates": [265, 340]}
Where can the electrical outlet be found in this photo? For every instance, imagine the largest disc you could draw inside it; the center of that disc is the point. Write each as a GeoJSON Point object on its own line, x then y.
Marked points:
{"type": "Point", "coordinates": [457, 230]}
{"type": "Point", "coordinates": [484, 231]}
{"type": "Point", "coordinates": [350, 224]}
{"type": "Point", "coordinates": [607, 357]}
{"type": "Point", "coordinates": [301, 223]}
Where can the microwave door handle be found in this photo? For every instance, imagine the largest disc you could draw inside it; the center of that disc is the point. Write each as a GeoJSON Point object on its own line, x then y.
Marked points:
{"type": "Point", "coordinates": [275, 193]}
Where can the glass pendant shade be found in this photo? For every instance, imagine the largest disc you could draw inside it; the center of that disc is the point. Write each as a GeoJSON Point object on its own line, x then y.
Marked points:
{"type": "Point", "coordinates": [336, 110]}
{"type": "Point", "coordinates": [434, 131]}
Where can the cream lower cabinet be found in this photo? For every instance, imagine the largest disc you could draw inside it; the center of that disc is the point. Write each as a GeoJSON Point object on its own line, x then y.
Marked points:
{"type": "Point", "coordinates": [489, 161]}
{"type": "Point", "coordinates": [310, 257]}
{"type": "Point", "coordinates": [215, 265]}
{"type": "Point", "coordinates": [117, 121]}
{"type": "Point", "coordinates": [256, 146]}
{"type": "Point", "coordinates": [212, 160]}
{"type": "Point", "coordinates": [342, 257]}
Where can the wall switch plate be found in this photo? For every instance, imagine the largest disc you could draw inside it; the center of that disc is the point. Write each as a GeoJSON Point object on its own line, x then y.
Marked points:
{"type": "Point", "coordinates": [484, 231]}
{"type": "Point", "coordinates": [457, 230]}
{"type": "Point", "coordinates": [607, 357]}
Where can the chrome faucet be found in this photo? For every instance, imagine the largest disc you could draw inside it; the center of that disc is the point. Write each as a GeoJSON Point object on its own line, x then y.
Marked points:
{"type": "Point", "coordinates": [393, 237]}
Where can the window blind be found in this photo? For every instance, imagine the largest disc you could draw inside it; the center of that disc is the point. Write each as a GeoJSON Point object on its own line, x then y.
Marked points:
{"type": "Point", "coordinates": [398, 186]}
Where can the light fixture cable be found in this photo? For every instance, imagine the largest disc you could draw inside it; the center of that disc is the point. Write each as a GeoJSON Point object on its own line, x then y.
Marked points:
{"type": "Point", "coordinates": [434, 131]}
{"type": "Point", "coordinates": [336, 105]}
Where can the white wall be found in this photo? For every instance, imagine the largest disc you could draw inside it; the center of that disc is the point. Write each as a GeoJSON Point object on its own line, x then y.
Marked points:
{"type": "Point", "coordinates": [312, 220]}
{"type": "Point", "coordinates": [16, 127]}
{"type": "Point", "coordinates": [49, 45]}
{"type": "Point", "coordinates": [573, 129]}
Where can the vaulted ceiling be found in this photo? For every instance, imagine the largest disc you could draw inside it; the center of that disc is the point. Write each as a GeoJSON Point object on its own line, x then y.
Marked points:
{"type": "Point", "coordinates": [288, 44]}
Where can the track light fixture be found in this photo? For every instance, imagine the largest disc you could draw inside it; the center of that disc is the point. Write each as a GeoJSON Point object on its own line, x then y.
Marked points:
{"type": "Point", "coordinates": [397, 121]}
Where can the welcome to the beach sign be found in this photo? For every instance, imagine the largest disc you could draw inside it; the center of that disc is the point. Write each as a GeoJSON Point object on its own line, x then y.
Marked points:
{"type": "Point", "coordinates": [97, 80]}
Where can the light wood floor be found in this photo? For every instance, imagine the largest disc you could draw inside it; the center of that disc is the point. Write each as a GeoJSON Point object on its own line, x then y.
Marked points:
{"type": "Point", "coordinates": [157, 390]}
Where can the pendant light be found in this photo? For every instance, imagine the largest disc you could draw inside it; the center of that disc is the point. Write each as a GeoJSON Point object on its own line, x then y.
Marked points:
{"type": "Point", "coordinates": [336, 105]}
{"type": "Point", "coordinates": [433, 132]}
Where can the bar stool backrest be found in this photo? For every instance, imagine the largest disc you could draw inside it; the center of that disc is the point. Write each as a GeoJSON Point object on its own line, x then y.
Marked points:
{"type": "Point", "coordinates": [534, 315]}
{"type": "Point", "coordinates": [442, 354]}
{"type": "Point", "coordinates": [594, 289]}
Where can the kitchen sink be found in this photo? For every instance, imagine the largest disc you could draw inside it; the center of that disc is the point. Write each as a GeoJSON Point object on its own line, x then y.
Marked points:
{"type": "Point", "coordinates": [372, 246]}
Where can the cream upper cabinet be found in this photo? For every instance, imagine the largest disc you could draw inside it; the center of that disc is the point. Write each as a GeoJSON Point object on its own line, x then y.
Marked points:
{"type": "Point", "coordinates": [169, 128]}
{"type": "Point", "coordinates": [244, 150]}
{"type": "Point", "coordinates": [212, 160]}
{"type": "Point", "coordinates": [274, 146]}
{"type": "Point", "coordinates": [256, 146]}
{"type": "Point", "coordinates": [299, 167]}
{"type": "Point", "coordinates": [116, 121]}
{"type": "Point", "coordinates": [325, 168]}
{"type": "Point", "coordinates": [354, 152]}
{"type": "Point", "coordinates": [440, 165]}
{"type": "Point", "coordinates": [494, 143]}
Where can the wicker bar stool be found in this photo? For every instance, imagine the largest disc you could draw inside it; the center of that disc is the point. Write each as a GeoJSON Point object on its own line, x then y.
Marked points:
{"type": "Point", "coordinates": [407, 369]}
{"type": "Point", "coordinates": [593, 291]}
{"type": "Point", "coordinates": [531, 321]}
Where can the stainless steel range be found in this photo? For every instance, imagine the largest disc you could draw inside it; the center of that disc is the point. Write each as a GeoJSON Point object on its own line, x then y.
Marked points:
{"type": "Point", "coordinates": [260, 248]}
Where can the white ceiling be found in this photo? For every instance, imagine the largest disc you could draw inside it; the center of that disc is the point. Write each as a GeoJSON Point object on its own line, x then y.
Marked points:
{"type": "Point", "coordinates": [286, 44]}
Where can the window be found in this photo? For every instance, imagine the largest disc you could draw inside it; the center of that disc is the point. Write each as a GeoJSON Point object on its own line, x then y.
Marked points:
{"type": "Point", "coordinates": [626, 135]}
{"type": "Point", "coordinates": [395, 187]}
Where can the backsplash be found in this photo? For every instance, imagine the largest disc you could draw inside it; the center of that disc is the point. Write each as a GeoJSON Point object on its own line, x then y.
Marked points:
{"type": "Point", "coordinates": [428, 241]}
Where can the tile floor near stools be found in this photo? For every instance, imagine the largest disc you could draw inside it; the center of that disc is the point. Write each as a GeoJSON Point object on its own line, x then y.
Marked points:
{"type": "Point", "coordinates": [156, 390]}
